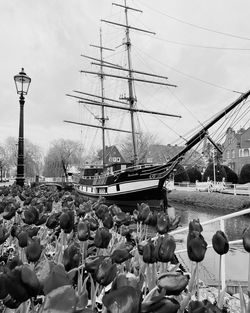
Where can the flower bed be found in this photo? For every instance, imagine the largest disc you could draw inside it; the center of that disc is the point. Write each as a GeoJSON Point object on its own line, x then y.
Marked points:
{"type": "Point", "coordinates": [60, 253]}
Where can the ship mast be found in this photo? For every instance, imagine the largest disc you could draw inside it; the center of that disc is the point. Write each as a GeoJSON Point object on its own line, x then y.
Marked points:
{"type": "Point", "coordinates": [131, 98]}
{"type": "Point", "coordinates": [102, 118]}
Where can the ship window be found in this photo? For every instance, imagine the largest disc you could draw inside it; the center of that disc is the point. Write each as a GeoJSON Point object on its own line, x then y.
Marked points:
{"type": "Point", "coordinates": [117, 187]}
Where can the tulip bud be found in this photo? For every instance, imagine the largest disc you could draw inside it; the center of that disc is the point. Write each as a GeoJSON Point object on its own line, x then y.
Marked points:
{"type": "Point", "coordinates": [106, 272]}
{"type": "Point", "coordinates": [196, 246]}
{"type": "Point", "coordinates": [9, 212]}
{"type": "Point", "coordinates": [31, 216]}
{"type": "Point", "coordinates": [101, 211]}
{"type": "Point", "coordinates": [102, 238]}
{"type": "Point", "coordinates": [164, 248]}
{"type": "Point", "coordinates": [67, 221]}
{"type": "Point", "coordinates": [163, 223]}
{"type": "Point", "coordinates": [203, 306]}
{"type": "Point", "coordinates": [148, 252]}
{"type": "Point", "coordinates": [93, 223]}
{"type": "Point", "coordinates": [151, 219]}
{"type": "Point", "coordinates": [120, 255]}
{"type": "Point", "coordinates": [53, 221]}
{"type": "Point", "coordinates": [144, 211]}
{"type": "Point", "coordinates": [108, 221]}
{"type": "Point", "coordinates": [172, 282]}
{"type": "Point", "coordinates": [71, 257]}
{"type": "Point", "coordinates": [4, 234]}
{"type": "Point", "coordinates": [33, 251]}
{"type": "Point", "coordinates": [220, 242]}
{"type": "Point", "coordinates": [92, 263]}
{"type": "Point", "coordinates": [22, 239]}
{"type": "Point", "coordinates": [83, 231]}
{"type": "Point", "coordinates": [195, 225]}
{"type": "Point", "coordinates": [246, 239]}
{"type": "Point", "coordinates": [15, 286]}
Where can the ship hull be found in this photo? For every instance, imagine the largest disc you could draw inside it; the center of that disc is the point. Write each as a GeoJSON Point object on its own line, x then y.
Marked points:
{"type": "Point", "coordinates": [126, 194]}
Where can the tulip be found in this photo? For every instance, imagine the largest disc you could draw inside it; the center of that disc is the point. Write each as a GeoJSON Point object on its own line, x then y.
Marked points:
{"type": "Point", "coordinates": [102, 238]}
{"type": "Point", "coordinates": [163, 223]}
{"type": "Point", "coordinates": [144, 211]}
{"type": "Point", "coordinates": [220, 242]}
{"type": "Point", "coordinates": [151, 219]}
{"type": "Point", "coordinates": [30, 281]}
{"type": "Point", "coordinates": [121, 218]}
{"type": "Point", "coordinates": [120, 255]}
{"type": "Point", "coordinates": [15, 286]}
{"type": "Point", "coordinates": [108, 221]}
{"type": "Point", "coordinates": [93, 223]}
{"type": "Point", "coordinates": [148, 252]}
{"type": "Point", "coordinates": [126, 279]}
{"type": "Point", "coordinates": [106, 272]}
{"type": "Point", "coordinates": [195, 225]}
{"type": "Point", "coordinates": [125, 300]}
{"type": "Point", "coordinates": [164, 248]}
{"type": "Point", "coordinates": [11, 303]}
{"type": "Point", "coordinates": [31, 216]}
{"type": "Point", "coordinates": [14, 262]}
{"type": "Point", "coordinates": [71, 257]}
{"type": "Point", "coordinates": [53, 221]}
{"type": "Point", "coordinates": [22, 239]}
{"type": "Point", "coordinates": [101, 210]}
{"type": "Point", "coordinates": [4, 234]}
{"type": "Point", "coordinates": [9, 212]}
{"type": "Point", "coordinates": [203, 306]}
{"type": "Point", "coordinates": [83, 230]}
{"type": "Point", "coordinates": [67, 221]}
{"type": "Point", "coordinates": [246, 239]}
{"type": "Point", "coordinates": [172, 282]}
{"type": "Point", "coordinates": [114, 209]}
{"type": "Point", "coordinates": [3, 287]}
{"type": "Point", "coordinates": [196, 246]}
{"type": "Point", "coordinates": [42, 219]}
{"type": "Point", "coordinates": [33, 250]}
{"type": "Point", "coordinates": [160, 304]}
{"type": "Point", "coordinates": [92, 263]}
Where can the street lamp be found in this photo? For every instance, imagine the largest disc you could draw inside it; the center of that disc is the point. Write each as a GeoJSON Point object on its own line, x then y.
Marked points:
{"type": "Point", "coordinates": [22, 82]}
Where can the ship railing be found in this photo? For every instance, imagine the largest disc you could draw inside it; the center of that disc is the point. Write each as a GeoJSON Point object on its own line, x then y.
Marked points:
{"type": "Point", "coordinates": [221, 220]}
{"type": "Point", "coordinates": [137, 167]}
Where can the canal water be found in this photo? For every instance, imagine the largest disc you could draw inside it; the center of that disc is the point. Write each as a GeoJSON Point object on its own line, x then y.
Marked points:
{"type": "Point", "coordinates": [236, 259]}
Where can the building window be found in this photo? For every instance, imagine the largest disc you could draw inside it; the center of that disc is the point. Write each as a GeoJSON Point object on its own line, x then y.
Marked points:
{"type": "Point", "coordinates": [227, 154]}
{"type": "Point", "coordinates": [230, 140]}
{"type": "Point", "coordinates": [246, 152]}
{"type": "Point", "coordinates": [233, 153]}
{"type": "Point", "coordinates": [240, 153]}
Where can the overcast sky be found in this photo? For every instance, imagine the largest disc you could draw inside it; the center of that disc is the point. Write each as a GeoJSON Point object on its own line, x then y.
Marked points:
{"type": "Point", "coordinates": [202, 46]}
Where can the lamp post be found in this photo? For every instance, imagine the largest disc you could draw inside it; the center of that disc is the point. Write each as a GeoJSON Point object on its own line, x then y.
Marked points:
{"type": "Point", "coordinates": [22, 82]}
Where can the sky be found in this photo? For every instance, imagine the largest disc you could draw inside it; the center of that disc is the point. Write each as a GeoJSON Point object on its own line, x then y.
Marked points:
{"type": "Point", "coordinates": [203, 47]}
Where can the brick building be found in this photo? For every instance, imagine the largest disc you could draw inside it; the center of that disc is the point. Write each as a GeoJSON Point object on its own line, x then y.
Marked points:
{"type": "Point", "coordinates": [236, 149]}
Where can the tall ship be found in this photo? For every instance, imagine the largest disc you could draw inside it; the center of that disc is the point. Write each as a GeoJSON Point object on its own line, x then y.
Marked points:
{"type": "Point", "coordinates": [135, 182]}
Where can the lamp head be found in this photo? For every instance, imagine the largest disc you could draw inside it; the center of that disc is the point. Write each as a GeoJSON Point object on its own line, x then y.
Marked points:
{"type": "Point", "coordinates": [22, 82]}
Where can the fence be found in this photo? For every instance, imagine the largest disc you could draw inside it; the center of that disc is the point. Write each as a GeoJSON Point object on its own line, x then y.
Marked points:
{"type": "Point", "coordinates": [221, 221]}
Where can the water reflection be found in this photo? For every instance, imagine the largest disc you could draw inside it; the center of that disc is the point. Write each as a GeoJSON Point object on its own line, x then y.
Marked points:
{"type": "Point", "coordinates": [237, 257]}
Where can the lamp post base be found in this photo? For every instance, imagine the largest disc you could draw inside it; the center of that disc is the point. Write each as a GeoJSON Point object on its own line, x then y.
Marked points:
{"type": "Point", "coordinates": [20, 181]}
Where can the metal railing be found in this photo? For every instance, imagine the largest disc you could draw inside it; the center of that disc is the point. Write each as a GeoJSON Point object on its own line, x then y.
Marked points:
{"type": "Point", "coordinates": [221, 221]}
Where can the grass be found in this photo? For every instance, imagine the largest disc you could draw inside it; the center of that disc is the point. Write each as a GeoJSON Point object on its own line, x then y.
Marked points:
{"type": "Point", "coordinates": [213, 200]}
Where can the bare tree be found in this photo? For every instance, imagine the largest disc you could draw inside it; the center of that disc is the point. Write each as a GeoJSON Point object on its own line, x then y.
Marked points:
{"type": "Point", "coordinates": [144, 140]}
{"type": "Point", "coordinates": [61, 155]}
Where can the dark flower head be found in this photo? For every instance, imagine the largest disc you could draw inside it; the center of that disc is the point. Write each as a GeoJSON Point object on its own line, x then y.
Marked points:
{"type": "Point", "coordinates": [83, 230]}
{"type": "Point", "coordinates": [106, 272]}
{"type": "Point", "coordinates": [172, 282]}
{"type": "Point", "coordinates": [9, 211]}
{"type": "Point", "coordinates": [151, 219]}
{"type": "Point", "coordinates": [246, 239]}
{"type": "Point", "coordinates": [23, 239]}
{"type": "Point", "coordinates": [4, 234]}
{"type": "Point", "coordinates": [102, 238]}
{"type": "Point", "coordinates": [71, 257]}
{"type": "Point", "coordinates": [93, 223]}
{"type": "Point", "coordinates": [195, 225]}
{"type": "Point", "coordinates": [108, 220]}
{"type": "Point", "coordinates": [93, 262]}
{"type": "Point", "coordinates": [220, 242]}
{"type": "Point", "coordinates": [15, 285]}
{"type": "Point", "coordinates": [30, 280]}
{"type": "Point", "coordinates": [160, 304]}
{"type": "Point", "coordinates": [196, 246]}
{"type": "Point", "coordinates": [33, 250]}
{"type": "Point", "coordinates": [125, 300]}
{"type": "Point", "coordinates": [67, 221]}
{"type": "Point", "coordinates": [148, 252]}
{"type": "Point", "coordinates": [144, 211]}
{"type": "Point", "coordinates": [31, 215]}
{"type": "Point", "coordinates": [120, 255]}
{"type": "Point", "coordinates": [101, 210]}
{"type": "Point", "coordinates": [3, 287]}
{"type": "Point", "coordinates": [163, 223]}
{"type": "Point", "coordinates": [53, 220]}
{"type": "Point", "coordinates": [164, 248]}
